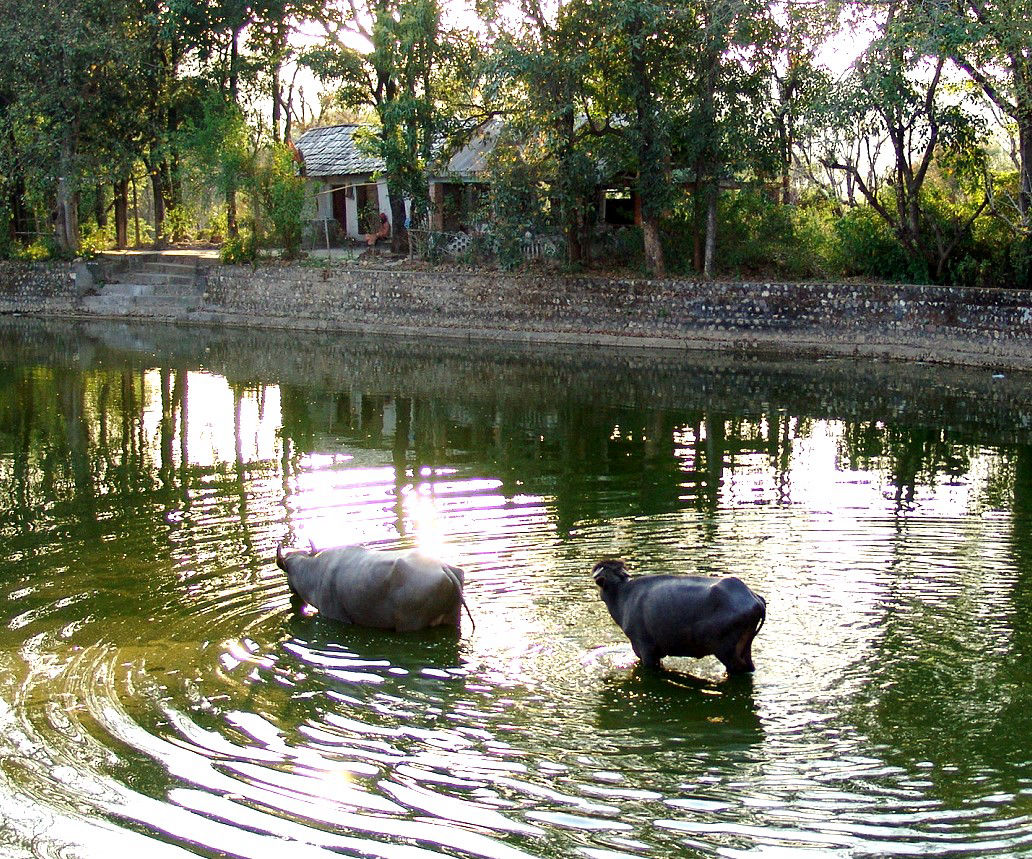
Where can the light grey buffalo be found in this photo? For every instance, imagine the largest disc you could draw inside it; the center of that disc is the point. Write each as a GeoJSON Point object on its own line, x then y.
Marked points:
{"type": "Point", "coordinates": [402, 590]}
{"type": "Point", "coordinates": [683, 615]}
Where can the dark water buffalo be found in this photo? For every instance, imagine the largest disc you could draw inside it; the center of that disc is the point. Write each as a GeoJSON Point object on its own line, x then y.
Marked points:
{"type": "Point", "coordinates": [683, 615]}
{"type": "Point", "coordinates": [401, 590]}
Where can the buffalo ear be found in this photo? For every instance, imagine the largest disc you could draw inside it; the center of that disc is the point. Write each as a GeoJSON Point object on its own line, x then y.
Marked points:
{"type": "Point", "coordinates": [613, 570]}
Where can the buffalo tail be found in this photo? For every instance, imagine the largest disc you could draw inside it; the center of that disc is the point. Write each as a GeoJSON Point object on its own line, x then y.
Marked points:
{"type": "Point", "coordinates": [458, 586]}
{"type": "Point", "coordinates": [763, 614]}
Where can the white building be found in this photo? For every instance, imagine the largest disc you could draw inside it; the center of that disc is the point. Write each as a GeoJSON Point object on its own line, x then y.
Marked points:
{"type": "Point", "coordinates": [341, 176]}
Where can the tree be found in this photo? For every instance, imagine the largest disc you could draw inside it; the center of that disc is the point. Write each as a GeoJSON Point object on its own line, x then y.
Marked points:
{"type": "Point", "coordinates": [68, 68]}
{"type": "Point", "coordinates": [543, 78]}
{"type": "Point", "coordinates": [897, 88]}
{"type": "Point", "coordinates": [799, 83]}
{"type": "Point", "coordinates": [687, 85]}
{"type": "Point", "coordinates": [991, 41]}
{"type": "Point", "coordinates": [282, 192]}
{"type": "Point", "coordinates": [408, 68]}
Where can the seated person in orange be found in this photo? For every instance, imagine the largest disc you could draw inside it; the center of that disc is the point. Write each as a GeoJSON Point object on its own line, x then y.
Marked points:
{"type": "Point", "coordinates": [382, 232]}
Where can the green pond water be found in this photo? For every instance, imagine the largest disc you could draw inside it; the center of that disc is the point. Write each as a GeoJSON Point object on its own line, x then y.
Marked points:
{"type": "Point", "coordinates": [160, 696]}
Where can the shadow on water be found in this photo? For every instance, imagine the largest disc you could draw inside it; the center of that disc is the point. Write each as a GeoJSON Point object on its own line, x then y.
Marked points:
{"type": "Point", "coordinates": [667, 705]}
{"type": "Point", "coordinates": [437, 648]}
{"type": "Point", "coordinates": [889, 510]}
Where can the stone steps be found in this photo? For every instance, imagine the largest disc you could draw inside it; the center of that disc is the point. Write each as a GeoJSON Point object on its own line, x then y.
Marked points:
{"type": "Point", "coordinates": [151, 284]}
{"type": "Point", "coordinates": [140, 305]}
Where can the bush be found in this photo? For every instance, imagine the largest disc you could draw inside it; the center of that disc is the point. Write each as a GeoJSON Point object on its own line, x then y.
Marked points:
{"type": "Point", "coordinates": [867, 248]}
{"type": "Point", "coordinates": [179, 223]}
{"type": "Point", "coordinates": [812, 254]}
{"type": "Point", "coordinates": [8, 248]}
{"type": "Point", "coordinates": [283, 195]}
{"type": "Point", "coordinates": [95, 239]}
{"type": "Point", "coordinates": [218, 228]}
{"type": "Point", "coordinates": [241, 248]}
{"type": "Point", "coordinates": [754, 233]}
{"type": "Point", "coordinates": [43, 248]}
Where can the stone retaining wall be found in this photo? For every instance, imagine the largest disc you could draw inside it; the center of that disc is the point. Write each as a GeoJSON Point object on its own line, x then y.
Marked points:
{"type": "Point", "coordinates": [939, 323]}
{"type": "Point", "coordinates": [955, 325]}
{"type": "Point", "coordinates": [37, 287]}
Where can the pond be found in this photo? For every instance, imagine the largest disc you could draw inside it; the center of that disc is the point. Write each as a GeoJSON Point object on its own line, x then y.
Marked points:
{"type": "Point", "coordinates": [159, 693]}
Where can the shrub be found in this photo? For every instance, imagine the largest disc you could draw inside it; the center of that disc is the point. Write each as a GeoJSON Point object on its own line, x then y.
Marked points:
{"type": "Point", "coordinates": [179, 223]}
{"type": "Point", "coordinates": [241, 248]}
{"type": "Point", "coordinates": [283, 195]}
{"type": "Point", "coordinates": [756, 235]}
{"type": "Point", "coordinates": [95, 239]}
{"type": "Point", "coordinates": [753, 233]}
{"type": "Point", "coordinates": [217, 228]}
{"type": "Point", "coordinates": [43, 248]}
{"type": "Point", "coordinates": [867, 248]}
{"type": "Point", "coordinates": [812, 253]}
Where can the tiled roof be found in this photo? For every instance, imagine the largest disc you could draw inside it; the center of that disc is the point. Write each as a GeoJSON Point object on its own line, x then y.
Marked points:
{"type": "Point", "coordinates": [472, 158]}
{"type": "Point", "coordinates": [332, 151]}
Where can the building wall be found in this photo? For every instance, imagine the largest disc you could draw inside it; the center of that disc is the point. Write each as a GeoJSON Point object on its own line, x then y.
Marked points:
{"type": "Point", "coordinates": [322, 188]}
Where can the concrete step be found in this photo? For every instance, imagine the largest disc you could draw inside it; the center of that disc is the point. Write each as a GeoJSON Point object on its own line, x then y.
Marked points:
{"type": "Point", "coordinates": [140, 305]}
{"type": "Point", "coordinates": [156, 268]}
{"type": "Point", "coordinates": [170, 303]}
{"type": "Point", "coordinates": [157, 278]}
{"type": "Point", "coordinates": [130, 290]}
{"type": "Point", "coordinates": [145, 257]}
{"type": "Point", "coordinates": [136, 288]}
{"type": "Point", "coordinates": [181, 269]}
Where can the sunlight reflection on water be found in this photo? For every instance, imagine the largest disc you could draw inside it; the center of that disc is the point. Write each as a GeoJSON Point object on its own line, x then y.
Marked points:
{"type": "Point", "coordinates": [153, 669]}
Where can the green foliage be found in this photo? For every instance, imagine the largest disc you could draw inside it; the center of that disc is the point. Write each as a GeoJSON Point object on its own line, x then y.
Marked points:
{"type": "Point", "coordinates": [218, 145]}
{"type": "Point", "coordinates": [518, 203]}
{"type": "Point", "coordinates": [239, 249]}
{"type": "Point", "coordinates": [95, 239]}
{"type": "Point", "coordinates": [630, 92]}
{"type": "Point", "coordinates": [217, 228]}
{"type": "Point", "coordinates": [179, 223]}
{"type": "Point", "coordinates": [7, 245]}
{"type": "Point", "coordinates": [282, 193]}
{"type": "Point", "coordinates": [44, 248]}
{"type": "Point", "coordinates": [812, 253]}
{"type": "Point", "coordinates": [867, 248]}
{"type": "Point", "coordinates": [756, 233]}
{"type": "Point", "coordinates": [759, 236]}
{"type": "Point", "coordinates": [762, 236]}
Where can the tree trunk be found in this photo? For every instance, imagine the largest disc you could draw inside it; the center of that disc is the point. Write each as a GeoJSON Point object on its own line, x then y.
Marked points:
{"type": "Point", "coordinates": [574, 252]}
{"type": "Point", "coordinates": [709, 262]}
{"type": "Point", "coordinates": [276, 103]}
{"type": "Point", "coordinates": [1025, 167]}
{"type": "Point", "coordinates": [277, 94]}
{"type": "Point", "coordinates": [649, 151]}
{"type": "Point", "coordinates": [231, 213]}
{"type": "Point", "coordinates": [121, 213]}
{"type": "Point", "coordinates": [399, 235]}
{"type": "Point", "coordinates": [136, 210]}
{"type": "Point", "coordinates": [158, 189]}
{"type": "Point", "coordinates": [99, 209]}
{"type": "Point", "coordinates": [653, 246]}
{"type": "Point", "coordinates": [66, 222]}
{"type": "Point", "coordinates": [234, 77]}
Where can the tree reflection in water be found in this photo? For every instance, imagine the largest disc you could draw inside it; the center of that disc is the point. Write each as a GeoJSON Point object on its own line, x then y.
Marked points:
{"type": "Point", "coordinates": [146, 497]}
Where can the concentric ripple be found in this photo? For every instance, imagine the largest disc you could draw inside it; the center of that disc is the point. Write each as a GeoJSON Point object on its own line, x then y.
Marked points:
{"type": "Point", "coordinates": [160, 694]}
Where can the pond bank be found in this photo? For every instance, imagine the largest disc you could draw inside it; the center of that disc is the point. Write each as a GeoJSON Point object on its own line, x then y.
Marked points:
{"type": "Point", "coordinates": [953, 325]}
